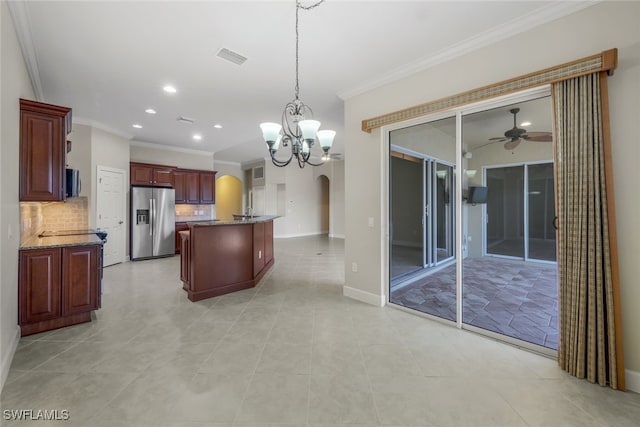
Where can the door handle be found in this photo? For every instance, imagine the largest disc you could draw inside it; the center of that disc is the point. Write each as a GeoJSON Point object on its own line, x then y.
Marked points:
{"type": "Point", "coordinates": [120, 222]}
{"type": "Point", "coordinates": [150, 217]}
{"type": "Point", "coordinates": [555, 222]}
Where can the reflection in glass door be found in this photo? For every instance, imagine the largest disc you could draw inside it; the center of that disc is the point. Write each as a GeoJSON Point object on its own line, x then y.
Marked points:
{"type": "Point", "coordinates": [422, 208]}
{"type": "Point", "coordinates": [406, 213]}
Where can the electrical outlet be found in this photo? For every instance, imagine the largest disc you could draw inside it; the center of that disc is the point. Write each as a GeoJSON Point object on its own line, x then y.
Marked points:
{"type": "Point", "coordinates": [354, 267]}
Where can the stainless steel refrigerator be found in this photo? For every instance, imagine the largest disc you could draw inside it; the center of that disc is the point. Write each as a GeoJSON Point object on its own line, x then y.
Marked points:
{"type": "Point", "coordinates": [152, 222]}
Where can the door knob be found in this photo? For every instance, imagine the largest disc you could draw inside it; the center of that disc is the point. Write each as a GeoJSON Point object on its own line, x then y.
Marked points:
{"type": "Point", "coordinates": [120, 222]}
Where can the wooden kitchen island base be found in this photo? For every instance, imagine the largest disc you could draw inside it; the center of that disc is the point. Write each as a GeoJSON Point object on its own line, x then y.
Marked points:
{"type": "Point", "coordinates": [221, 257]}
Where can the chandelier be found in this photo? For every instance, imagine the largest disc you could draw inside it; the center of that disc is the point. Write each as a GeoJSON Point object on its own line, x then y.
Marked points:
{"type": "Point", "coordinates": [297, 132]}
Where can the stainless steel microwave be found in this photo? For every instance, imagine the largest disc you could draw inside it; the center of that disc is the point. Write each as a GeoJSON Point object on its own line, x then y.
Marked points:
{"type": "Point", "coordinates": [73, 183]}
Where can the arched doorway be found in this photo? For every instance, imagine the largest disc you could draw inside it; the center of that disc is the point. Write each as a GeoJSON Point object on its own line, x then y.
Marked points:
{"type": "Point", "coordinates": [228, 197]}
{"type": "Point", "coordinates": [323, 203]}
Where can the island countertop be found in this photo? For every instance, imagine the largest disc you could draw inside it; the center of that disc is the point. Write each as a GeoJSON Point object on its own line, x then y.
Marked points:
{"type": "Point", "coordinates": [248, 220]}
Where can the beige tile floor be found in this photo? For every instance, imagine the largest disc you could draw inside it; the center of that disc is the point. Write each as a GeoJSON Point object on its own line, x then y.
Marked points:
{"type": "Point", "coordinates": [293, 352]}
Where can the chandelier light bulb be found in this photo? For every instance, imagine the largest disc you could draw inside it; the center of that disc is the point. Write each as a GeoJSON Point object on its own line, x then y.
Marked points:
{"type": "Point", "coordinates": [325, 138]}
{"type": "Point", "coordinates": [309, 129]}
{"type": "Point", "coordinates": [270, 131]}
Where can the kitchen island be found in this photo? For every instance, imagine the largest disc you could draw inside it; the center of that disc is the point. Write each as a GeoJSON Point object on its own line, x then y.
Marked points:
{"type": "Point", "coordinates": [219, 257]}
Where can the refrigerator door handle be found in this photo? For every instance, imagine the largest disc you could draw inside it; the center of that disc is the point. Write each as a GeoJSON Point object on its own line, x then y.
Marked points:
{"type": "Point", "coordinates": [151, 217]}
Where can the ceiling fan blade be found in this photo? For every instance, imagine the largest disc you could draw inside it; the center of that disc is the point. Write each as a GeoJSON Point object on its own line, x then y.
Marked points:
{"type": "Point", "coordinates": [538, 136]}
{"type": "Point", "coordinates": [510, 145]}
{"type": "Point", "coordinates": [499, 139]}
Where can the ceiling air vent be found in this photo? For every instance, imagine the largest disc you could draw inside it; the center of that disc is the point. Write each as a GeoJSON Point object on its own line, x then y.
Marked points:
{"type": "Point", "coordinates": [184, 119]}
{"type": "Point", "coordinates": [231, 56]}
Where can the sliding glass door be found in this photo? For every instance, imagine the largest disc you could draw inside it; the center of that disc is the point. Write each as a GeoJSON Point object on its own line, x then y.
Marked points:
{"type": "Point", "coordinates": [477, 248]}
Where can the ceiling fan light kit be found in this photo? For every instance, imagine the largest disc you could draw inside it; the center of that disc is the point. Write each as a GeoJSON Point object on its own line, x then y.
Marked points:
{"type": "Point", "coordinates": [296, 132]}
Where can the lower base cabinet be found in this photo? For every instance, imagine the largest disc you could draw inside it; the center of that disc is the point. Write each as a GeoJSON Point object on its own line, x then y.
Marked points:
{"type": "Point", "coordinates": [58, 287]}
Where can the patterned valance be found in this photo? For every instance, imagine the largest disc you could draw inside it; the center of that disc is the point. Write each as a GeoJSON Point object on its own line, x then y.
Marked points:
{"type": "Point", "coordinates": [605, 61]}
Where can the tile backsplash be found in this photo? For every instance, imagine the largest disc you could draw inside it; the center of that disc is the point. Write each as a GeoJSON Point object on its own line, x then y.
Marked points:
{"type": "Point", "coordinates": [39, 216]}
{"type": "Point", "coordinates": [195, 212]}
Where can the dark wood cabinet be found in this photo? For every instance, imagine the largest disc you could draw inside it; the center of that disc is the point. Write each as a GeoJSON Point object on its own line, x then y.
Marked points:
{"type": "Point", "coordinates": [207, 188]}
{"type": "Point", "coordinates": [180, 226]}
{"type": "Point", "coordinates": [58, 287]}
{"type": "Point", "coordinates": [39, 289]}
{"type": "Point", "coordinates": [194, 187]}
{"type": "Point", "coordinates": [80, 278]}
{"type": "Point", "coordinates": [151, 175]}
{"type": "Point", "coordinates": [223, 258]}
{"type": "Point", "coordinates": [43, 141]}
{"type": "Point", "coordinates": [258, 247]}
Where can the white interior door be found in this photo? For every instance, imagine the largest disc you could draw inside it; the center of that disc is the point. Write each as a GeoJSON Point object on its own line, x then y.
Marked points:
{"type": "Point", "coordinates": [110, 212]}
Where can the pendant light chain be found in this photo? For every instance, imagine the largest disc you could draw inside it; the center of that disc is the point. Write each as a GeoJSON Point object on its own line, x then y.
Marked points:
{"type": "Point", "coordinates": [298, 7]}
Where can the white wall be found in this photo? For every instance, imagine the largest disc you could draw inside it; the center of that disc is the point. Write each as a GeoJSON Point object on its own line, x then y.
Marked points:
{"type": "Point", "coordinates": [172, 156]}
{"type": "Point", "coordinates": [15, 84]}
{"type": "Point", "coordinates": [111, 151]}
{"type": "Point", "coordinates": [595, 29]}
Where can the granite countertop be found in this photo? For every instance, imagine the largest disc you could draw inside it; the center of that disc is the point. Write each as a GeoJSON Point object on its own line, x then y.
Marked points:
{"type": "Point", "coordinates": [257, 219]}
{"type": "Point", "coordinates": [36, 242]}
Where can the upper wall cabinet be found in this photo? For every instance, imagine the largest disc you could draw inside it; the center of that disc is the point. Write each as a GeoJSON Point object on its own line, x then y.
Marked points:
{"type": "Point", "coordinates": [208, 188]}
{"type": "Point", "coordinates": [43, 136]}
{"type": "Point", "coordinates": [151, 175]}
{"type": "Point", "coordinates": [195, 186]}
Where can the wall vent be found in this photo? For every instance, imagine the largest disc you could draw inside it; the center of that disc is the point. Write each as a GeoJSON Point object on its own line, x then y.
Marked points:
{"type": "Point", "coordinates": [231, 56]}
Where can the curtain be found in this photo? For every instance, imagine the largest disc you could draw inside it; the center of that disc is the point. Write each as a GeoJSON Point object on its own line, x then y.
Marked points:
{"type": "Point", "coordinates": [587, 313]}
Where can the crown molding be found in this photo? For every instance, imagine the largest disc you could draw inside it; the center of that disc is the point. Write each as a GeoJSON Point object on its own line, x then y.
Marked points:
{"type": "Point", "coordinates": [173, 148]}
{"type": "Point", "coordinates": [226, 162]}
{"type": "Point", "coordinates": [524, 23]}
{"type": "Point", "coordinates": [100, 126]}
{"type": "Point", "coordinates": [22, 24]}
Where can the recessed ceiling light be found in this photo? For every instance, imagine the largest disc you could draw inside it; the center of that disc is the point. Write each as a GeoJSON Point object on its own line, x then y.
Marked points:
{"type": "Point", "coordinates": [523, 124]}
{"type": "Point", "coordinates": [197, 137]}
{"type": "Point", "coordinates": [169, 89]}
{"type": "Point", "coordinates": [217, 126]}
{"type": "Point", "coordinates": [137, 126]}
{"type": "Point", "coordinates": [150, 111]}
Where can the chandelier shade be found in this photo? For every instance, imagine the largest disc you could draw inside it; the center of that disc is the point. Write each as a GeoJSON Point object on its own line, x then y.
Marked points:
{"type": "Point", "coordinates": [297, 132]}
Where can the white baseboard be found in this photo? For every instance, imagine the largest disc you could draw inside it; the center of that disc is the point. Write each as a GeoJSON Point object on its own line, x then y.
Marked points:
{"type": "Point", "coordinates": [7, 358]}
{"type": "Point", "coordinates": [337, 236]}
{"type": "Point", "coordinates": [632, 379]}
{"type": "Point", "coordinates": [367, 297]}
{"type": "Point", "coordinates": [289, 236]}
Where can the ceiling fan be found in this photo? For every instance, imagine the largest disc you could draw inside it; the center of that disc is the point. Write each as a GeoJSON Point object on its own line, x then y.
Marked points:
{"type": "Point", "coordinates": [515, 135]}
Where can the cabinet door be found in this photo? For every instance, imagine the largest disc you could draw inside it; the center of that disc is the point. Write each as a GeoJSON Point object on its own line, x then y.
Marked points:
{"type": "Point", "coordinates": [180, 184]}
{"type": "Point", "coordinates": [258, 248]}
{"type": "Point", "coordinates": [193, 188]}
{"type": "Point", "coordinates": [39, 285]}
{"type": "Point", "coordinates": [80, 284]}
{"type": "Point", "coordinates": [141, 174]}
{"type": "Point", "coordinates": [163, 177]}
{"type": "Point", "coordinates": [268, 241]}
{"type": "Point", "coordinates": [42, 157]}
{"type": "Point", "coordinates": [208, 188]}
